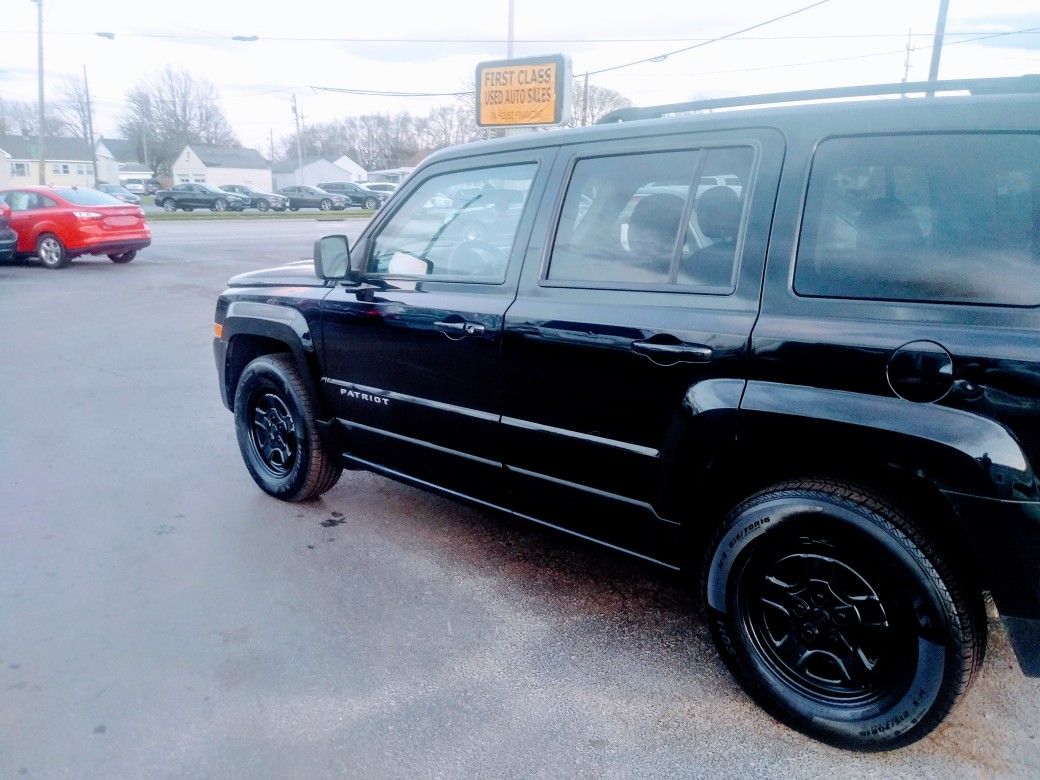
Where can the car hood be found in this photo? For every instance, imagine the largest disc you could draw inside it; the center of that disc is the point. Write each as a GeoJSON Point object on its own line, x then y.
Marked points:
{"type": "Point", "coordinates": [299, 274]}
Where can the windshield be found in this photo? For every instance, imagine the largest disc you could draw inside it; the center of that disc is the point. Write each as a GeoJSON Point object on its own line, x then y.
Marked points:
{"type": "Point", "coordinates": [86, 197]}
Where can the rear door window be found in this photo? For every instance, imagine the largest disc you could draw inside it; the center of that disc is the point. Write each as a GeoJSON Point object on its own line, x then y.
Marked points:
{"type": "Point", "coordinates": [653, 220]}
{"type": "Point", "coordinates": [951, 218]}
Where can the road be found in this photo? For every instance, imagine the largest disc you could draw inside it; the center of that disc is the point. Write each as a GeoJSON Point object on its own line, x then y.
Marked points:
{"type": "Point", "coordinates": [161, 617]}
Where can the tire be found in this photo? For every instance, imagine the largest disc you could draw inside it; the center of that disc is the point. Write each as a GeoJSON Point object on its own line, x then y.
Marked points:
{"type": "Point", "coordinates": [123, 257]}
{"type": "Point", "coordinates": [840, 616]}
{"type": "Point", "coordinates": [169, 204]}
{"type": "Point", "coordinates": [277, 431]}
{"type": "Point", "coordinates": [371, 204]}
{"type": "Point", "coordinates": [220, 205]}
{"type": "Point", "coordinates": [188, 208]}
{"type": "Point", "coordinates": [262, 205]}
{"type": "Point", "coordinates": [294, 208]}
{"type": "Point", "coordinates": [52, 252]}
{"type": "Point", "coordinates": [325, 205]}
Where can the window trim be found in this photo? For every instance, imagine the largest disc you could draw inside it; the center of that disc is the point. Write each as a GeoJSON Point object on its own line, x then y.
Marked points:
{"type": "Point", "coordinates": [418, 184]}
{"type": "Point", "coordinates": [687, 143]}
{"type": "Point", "coordinates": [864, 301]}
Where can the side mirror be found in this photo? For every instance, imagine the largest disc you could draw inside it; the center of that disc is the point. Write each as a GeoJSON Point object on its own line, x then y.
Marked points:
{"type": "Point", "coordinates": [332, 258]}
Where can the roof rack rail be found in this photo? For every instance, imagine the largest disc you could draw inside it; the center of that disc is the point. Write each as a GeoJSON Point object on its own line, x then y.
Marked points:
{"type": "Point", "coordinates": [994, 86]}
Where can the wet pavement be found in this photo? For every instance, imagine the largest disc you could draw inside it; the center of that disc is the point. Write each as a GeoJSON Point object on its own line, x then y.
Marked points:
{"type": "Point", "coordinates": [161, 617]}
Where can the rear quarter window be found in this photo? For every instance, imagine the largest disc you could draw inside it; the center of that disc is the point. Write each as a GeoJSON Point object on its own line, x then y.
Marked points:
{"type": "Point", "coordinates": [931, 218]}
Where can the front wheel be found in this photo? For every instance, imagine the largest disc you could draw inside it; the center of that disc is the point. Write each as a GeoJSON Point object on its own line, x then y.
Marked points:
{"type": "Point", "coordinates": [262, 205]}
{"type": "Point", "coordinates": [220, 204]}
{"type": "Point", "coordinates": [325, 205]}
{"type": "Point", "coordinates": [840, 616]}
{"type": "Point", "coordinates": [277, 432]}
{"type": "Point", "coordinates": [371, 204]}
{"type": "Point", "coordinates": [169, 204]}
{"type": "Point", "coordinates": [52, 252]}
{"type": "Point", "coordinates": [123, 257]}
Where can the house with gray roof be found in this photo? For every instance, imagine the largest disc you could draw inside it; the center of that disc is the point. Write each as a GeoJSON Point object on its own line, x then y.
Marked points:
{"type": "Point", "coordinates": [220, 165]}
{"type": "Point", "coordinates": [69, 162]}
{"type": "Point", "coordinates": [119, 159]}
{"type": "Point", "coordinates": [315, 170]}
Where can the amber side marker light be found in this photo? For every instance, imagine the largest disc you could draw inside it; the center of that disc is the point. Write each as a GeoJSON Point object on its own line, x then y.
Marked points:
{"type": "Point", "coordinates": [218, 330]}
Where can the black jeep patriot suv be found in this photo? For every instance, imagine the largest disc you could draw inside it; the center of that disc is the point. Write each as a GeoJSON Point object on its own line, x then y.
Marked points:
{"type": "Point", "coordinates": [796, 349]}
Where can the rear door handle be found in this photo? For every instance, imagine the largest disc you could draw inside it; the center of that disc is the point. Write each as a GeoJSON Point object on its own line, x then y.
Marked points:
{"type": "Point", "coordinates": [670, 354]}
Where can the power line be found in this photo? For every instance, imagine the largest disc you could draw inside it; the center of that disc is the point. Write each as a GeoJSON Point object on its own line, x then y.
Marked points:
{"type": "Point", "coordinates": [300, 39]}
{"type": "Point", "coordinates": [390, 93]}
{"type": "Point", "coordinates": [665, 55]}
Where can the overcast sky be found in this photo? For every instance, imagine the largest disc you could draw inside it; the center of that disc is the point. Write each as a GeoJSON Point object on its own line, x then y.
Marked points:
{"type": "Point", "coordinates": [413, 45]}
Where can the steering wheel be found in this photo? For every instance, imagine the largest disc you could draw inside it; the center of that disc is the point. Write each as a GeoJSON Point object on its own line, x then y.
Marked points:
{"type": "Point", "coordinates": [475, 257]}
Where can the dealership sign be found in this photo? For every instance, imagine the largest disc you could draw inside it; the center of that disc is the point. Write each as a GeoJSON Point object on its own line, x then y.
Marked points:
{"type": "Point", "coordinates": [524, 92]}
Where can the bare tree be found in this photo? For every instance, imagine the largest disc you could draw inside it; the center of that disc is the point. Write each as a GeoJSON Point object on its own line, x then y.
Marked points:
{"type": "Point", "coordinates": [72, 107]}
{"type": "Point", "coordinates": [20, 117]}
{"type": "Point", "coordinates": [601, 102]}
{"type": "Point", "coordinates": [173, 108]}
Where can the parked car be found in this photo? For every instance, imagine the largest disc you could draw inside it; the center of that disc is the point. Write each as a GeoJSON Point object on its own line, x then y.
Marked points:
{"type": "Point", "coordinates": [8, 238]}
{"type": "Point", "coordinates": [355, 194]}
{"type": "Point", "coordinates": [262, 201]}
{"type": "Point", "coordinates": [200, 196]}
{"type": "Point", "coordinates": [136, 186]}
{"type": "Point", "coordinates": [58, 224]}
{"type": "Point", "coordinates": [793, 351]}
{"type": "Point", "coordinates": [386, 187]}
{"type": "Point", "coordinates": [151, 186]}
{"type": "Point", "coordinates": [304, 196]}
{"type": "Point", "coordinates": [119, 192]}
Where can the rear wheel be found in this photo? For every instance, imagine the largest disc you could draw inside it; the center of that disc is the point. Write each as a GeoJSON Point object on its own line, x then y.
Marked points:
{"type": "Point", "coordinates": [277, 431]}
{"type": "Point", "coordinates": [123, 257]}
{"type": "Point", "coordinates": [52, 252]}
{"type": "Point", "coordinates": [840, 616]}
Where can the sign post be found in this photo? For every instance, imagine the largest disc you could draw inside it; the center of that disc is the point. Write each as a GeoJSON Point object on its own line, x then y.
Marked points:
{"type": "Point", "coordinates": [525, 92]}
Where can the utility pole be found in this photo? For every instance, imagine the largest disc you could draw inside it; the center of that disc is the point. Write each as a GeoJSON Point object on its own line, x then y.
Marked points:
{"type": "Point", "coordinates": [90, 127]}
{"type": "Point", "coordinates": [509, 36]}
{"type": "Point", "coordinates": [940, 32]}
{"type": "Point", "coordinates": [299, 143]}
{"type": "Point", "coordinates": [144, 142]}
{"type": "Point", "coordinates": [585, 101]}
{"type": "Point", "coordinates": [906, 61]}
{"type": "Point", "coordinates": [39, 72]}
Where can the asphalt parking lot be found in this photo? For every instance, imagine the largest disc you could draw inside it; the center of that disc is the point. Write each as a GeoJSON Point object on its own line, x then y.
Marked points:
{"type": "Point", "coordinates": [161, 617]}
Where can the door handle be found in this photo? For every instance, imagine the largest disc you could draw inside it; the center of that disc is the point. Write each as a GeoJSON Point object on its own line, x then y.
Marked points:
{"type": "Point", "coordinates": [459, 329]}
{"type": "Point", "coordinates": [669, 354]}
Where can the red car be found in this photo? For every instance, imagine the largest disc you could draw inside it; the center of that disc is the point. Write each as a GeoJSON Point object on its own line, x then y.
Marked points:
{"type": "Point", "coordinates": [59, 223]}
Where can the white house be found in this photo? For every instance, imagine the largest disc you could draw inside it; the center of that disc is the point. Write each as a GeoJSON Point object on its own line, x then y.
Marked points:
{"type": "Point", "coordinates": [116, 155]}
{"type": "Point", "coordinates": [315, 171]}
{"type": "Point", "coordinates": [5, 168]}
{"type": "Point", "coordinates": [354, 171]}
{"type": "Point", "coordinates": [69, 161]}
{"type": "Point", "coordinates": [220, 165]}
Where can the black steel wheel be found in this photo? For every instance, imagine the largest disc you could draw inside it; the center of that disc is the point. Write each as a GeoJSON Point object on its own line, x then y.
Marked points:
{"type": "Point", "coordinates": [840, 616]}
{"type": "Point", "coordinates": [277, 431]}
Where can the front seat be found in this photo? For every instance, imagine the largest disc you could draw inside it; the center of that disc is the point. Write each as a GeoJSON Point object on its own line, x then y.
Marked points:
{"type": "Point", "coordinates": [652, 229]}
{"type": "Point", "coordinates": [718, 215]}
